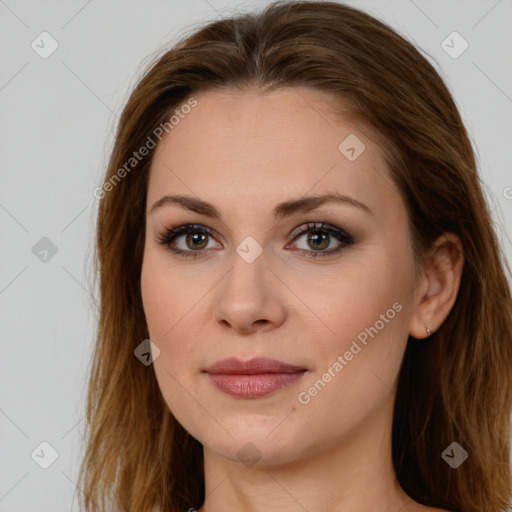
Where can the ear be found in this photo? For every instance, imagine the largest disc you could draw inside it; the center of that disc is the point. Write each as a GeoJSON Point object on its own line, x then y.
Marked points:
{"type": "Point", "coordinates": [438, 288]}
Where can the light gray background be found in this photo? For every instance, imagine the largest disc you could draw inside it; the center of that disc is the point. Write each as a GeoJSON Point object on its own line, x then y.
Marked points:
{"type": "Point", "coordinates": [57, 122]}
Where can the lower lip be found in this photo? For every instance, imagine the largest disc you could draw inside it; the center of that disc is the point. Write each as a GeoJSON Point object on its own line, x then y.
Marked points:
{"type": "Point", "coordinates": [253, 386]}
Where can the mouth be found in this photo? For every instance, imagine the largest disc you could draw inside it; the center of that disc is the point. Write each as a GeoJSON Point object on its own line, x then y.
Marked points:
{"type": "Point", "coordinates": [255, 378]}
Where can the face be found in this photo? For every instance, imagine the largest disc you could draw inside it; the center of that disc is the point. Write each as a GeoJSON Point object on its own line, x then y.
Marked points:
{"type": "Point", "coordinates": [325, 289]}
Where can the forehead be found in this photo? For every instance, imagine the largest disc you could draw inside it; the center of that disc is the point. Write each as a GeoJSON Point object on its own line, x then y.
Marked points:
{"type": "Point", "coordinates": [253, 148]}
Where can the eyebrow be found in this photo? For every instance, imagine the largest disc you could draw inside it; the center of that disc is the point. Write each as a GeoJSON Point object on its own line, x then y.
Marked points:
{"type": "Point", "coordinates": [303, 204]}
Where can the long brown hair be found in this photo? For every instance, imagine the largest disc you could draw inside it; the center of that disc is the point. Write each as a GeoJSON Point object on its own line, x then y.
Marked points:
{"type": "Point", "coordinates": [455, 386]}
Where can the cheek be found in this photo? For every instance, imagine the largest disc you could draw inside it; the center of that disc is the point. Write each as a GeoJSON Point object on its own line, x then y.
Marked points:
{"type": "Point", "coordinates": [366, 319]}
{"type": "Point", "coordinates": [170, 303]}
{"type": "Point", "coordinates": [361, 298]}
{"type": "Point", "coordinates": [356, 367]}
{"type": "Point", "coordinates": [166, 297]}
{"type": "Point", "coordinates": [163, 309]}
{"type": "Point", "coordinates": [154, 299]}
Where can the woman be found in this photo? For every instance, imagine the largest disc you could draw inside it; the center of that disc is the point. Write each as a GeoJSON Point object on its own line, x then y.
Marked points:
{"type": "Point", "coordinates": [304, 302]}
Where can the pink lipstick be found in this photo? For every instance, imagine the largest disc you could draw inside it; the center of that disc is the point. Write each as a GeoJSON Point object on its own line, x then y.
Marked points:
{"type": "Point", "coordinates": [255, 378]}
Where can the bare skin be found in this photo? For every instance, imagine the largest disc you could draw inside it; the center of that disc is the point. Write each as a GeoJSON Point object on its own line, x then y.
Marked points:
{"type": "Point", "coordinates": [246, 153]}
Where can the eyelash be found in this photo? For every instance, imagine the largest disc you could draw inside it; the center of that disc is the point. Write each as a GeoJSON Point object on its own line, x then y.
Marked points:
{"type": "Point", "coordinates": [345, 238]}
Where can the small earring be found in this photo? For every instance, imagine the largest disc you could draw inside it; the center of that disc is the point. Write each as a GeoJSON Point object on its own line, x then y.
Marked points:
{"type": "Point", "coordinates": [429, 332]}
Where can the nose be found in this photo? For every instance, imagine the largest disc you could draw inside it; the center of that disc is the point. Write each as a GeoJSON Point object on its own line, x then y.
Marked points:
{"type": "Point", "coordinates": [250, 297]}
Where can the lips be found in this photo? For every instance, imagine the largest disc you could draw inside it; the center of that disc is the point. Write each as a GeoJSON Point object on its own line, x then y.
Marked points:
{"type": "Point", "coordinates": [255, 378]}
{"type": "Point", "coordinates": [254, 366]}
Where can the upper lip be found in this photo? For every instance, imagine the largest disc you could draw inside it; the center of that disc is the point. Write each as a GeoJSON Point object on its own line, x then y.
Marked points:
{"type": "Point", "coordinates": [253, 366]}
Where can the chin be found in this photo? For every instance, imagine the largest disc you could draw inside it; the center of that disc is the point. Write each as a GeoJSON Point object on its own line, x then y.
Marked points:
{"type": "Point", "coordinates": [251, 442]}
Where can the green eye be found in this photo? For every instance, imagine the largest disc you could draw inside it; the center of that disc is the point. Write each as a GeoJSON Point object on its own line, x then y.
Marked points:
{"type": "Point", "coordinates": [319, 237]}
